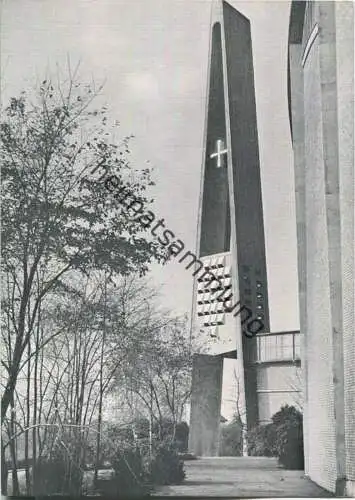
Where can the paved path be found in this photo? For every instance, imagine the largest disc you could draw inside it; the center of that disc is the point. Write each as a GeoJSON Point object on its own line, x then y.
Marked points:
{"type": "Point", "coordinates": [241, 477]}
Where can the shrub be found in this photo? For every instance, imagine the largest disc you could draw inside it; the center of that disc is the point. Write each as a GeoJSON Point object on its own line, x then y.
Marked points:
{"type": "Point", "coordinates": [283, 438]}
{"type": "Point", "coordinates": [261, 441]}
{"type": "Point", "coordinates": [138, 466]}
{"type": "Point", "coordinates": [141, 426]}
{"type": "Point", "coordinates": [166, 431]}
{"type": "Point", "coordinates": [57, 475]}
{"type": "Point", "coordinates": [166, 466]}
{"type": "Point", "coordinates": [130, 475]}
{"type": "Point", "coordinates": [288, 427]}
{"type": "Point", "coordinates": [231, 439]}
{"type": "Point", "coordinates": [113, 437]}
{"type": "Point", "coordinates": [182, 436]}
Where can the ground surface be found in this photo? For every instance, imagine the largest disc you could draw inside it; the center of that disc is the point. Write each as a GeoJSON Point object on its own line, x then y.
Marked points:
{"type": "Point", "coordinates": [240, 477]}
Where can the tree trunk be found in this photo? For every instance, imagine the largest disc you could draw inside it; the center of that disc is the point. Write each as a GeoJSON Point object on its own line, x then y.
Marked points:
{"type": "Point", "coordinates": [4, 471]}
{"type": "Point", "coordinates": [101, 382]}
{"type": "Point", "coordinates": [34, 417]}
{"type": "Point", "coordinates": [12, 445]}
{"type": "Point", "coordinates": [27, 422]}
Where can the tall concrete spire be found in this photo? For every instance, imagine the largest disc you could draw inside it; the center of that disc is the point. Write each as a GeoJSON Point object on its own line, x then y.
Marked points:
{"type": "Point", "coordinates": [231, 300]}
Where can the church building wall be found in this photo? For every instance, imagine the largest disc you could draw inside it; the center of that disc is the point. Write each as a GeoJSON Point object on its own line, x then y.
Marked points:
{"type": "Point", "coordinates": [344, 19]}
{"type": "Point", "coordinates": [321, 109]}
{"type": "Point", "coordinates": [321, 420]}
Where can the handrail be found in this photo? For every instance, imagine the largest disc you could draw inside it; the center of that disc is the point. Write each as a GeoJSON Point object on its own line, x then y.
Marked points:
{"type": "Point", "coordinates": [272, 351]}
{"type": "Point", "coordinates": [270, 334]}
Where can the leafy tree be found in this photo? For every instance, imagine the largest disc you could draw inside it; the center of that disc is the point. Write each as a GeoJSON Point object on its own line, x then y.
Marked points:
{"type": "Point", "coordinates": [56, 217]}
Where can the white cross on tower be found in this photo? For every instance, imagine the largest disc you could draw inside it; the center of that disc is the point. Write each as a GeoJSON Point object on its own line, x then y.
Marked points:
{"type": "Point", "coordinates": [220, 151]}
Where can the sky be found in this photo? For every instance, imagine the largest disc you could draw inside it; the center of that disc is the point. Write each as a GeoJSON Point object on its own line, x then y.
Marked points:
{"type": "Point", "coordinates": [153, 57]}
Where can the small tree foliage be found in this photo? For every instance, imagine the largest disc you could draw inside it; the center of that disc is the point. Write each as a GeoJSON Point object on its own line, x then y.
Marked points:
{"type": "Point", "coordinates": [282, 438]}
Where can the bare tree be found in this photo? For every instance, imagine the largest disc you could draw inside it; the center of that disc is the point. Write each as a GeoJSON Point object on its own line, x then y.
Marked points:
{"type": "Point", "coordinates": [55, 217]}
{"type": "Point", "coordinates": [59, 226]}
{"type": "Point", "coordinates": [160, 376]}
{"type": "Point", "coordinates": [240, 414]}
{"type": "Point", "coordinates": [295, 384]}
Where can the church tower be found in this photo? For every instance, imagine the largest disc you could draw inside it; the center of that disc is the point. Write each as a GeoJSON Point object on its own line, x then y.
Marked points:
{"type": "Point", "coordinates": [229, 311]}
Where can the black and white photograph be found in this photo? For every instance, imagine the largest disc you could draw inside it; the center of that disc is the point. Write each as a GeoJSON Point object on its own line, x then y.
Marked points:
{"type": "Point", "coordinates": [177, 249]}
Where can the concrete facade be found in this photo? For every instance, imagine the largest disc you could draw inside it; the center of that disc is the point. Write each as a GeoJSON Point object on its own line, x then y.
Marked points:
{"type": "Point", "coordinates": [321, 86]}
{"type": "Point", "coordinates": [231, 245]}
{"type": "Point", "coordinates": [206, 403]}
{"type": "Point", "coordinates": [278, 385]}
